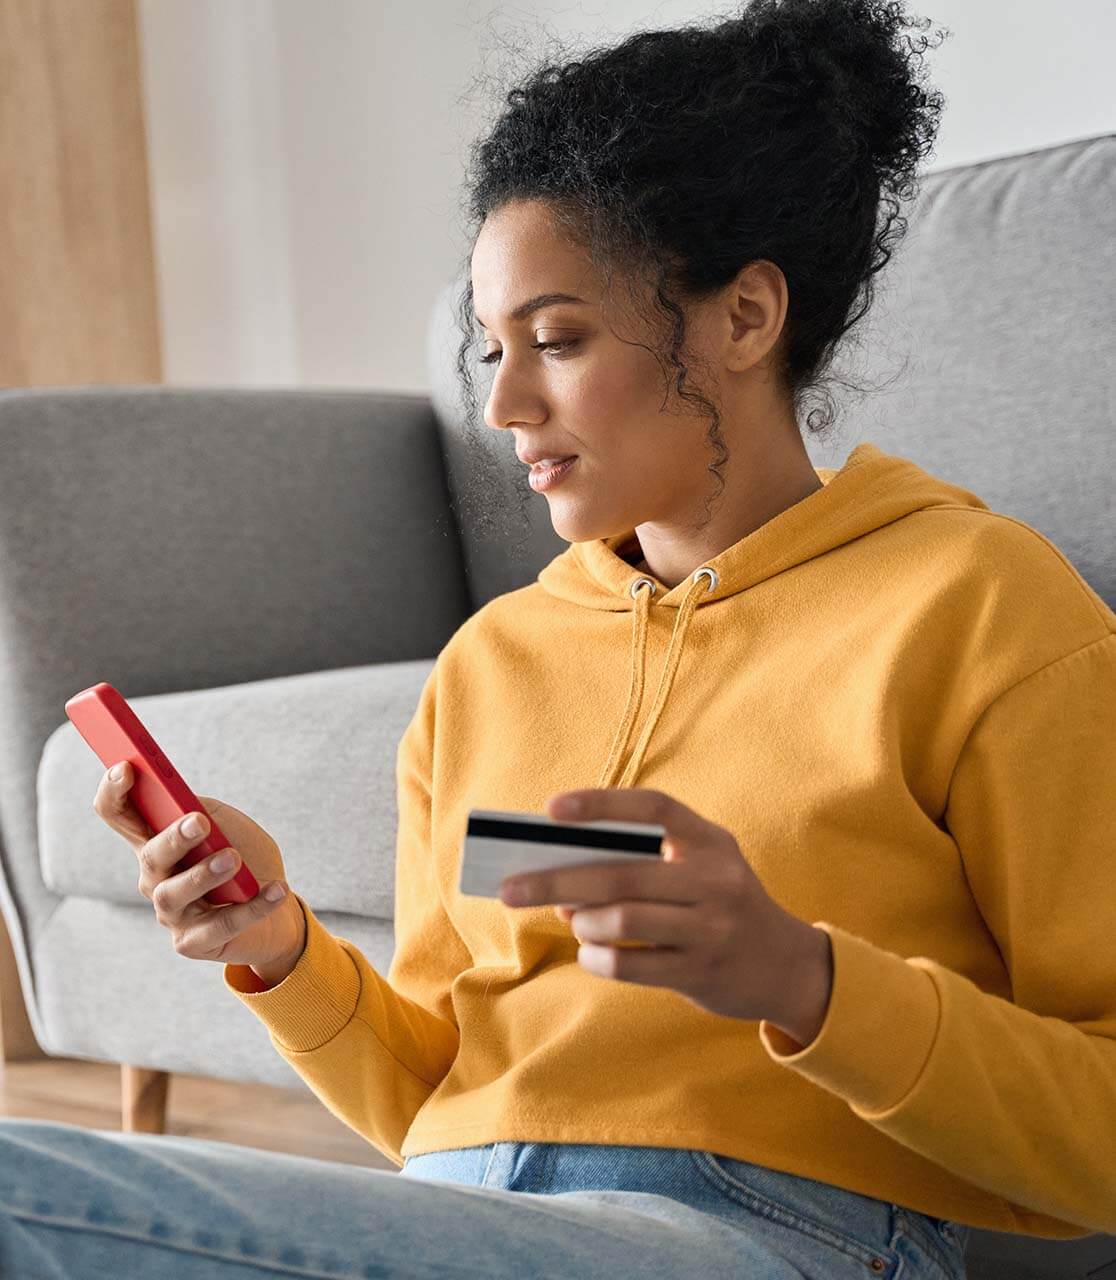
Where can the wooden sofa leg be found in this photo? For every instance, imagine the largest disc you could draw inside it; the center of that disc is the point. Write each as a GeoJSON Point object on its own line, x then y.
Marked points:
{"type": "Point", "coordinates": [143, 1094]}
{"type": "Point", "coordinates": [17, 1039]}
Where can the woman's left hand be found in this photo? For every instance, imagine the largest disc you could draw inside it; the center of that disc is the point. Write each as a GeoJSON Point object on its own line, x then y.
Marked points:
{"type": "Point", "coordinates": [717, 937]}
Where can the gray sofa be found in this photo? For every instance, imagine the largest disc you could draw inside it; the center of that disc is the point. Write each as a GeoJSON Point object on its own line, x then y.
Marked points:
{"type": "Point", "coordinates": [269, 574]}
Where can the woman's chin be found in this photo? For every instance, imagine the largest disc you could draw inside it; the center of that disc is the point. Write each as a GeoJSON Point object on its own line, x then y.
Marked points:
{"type": "Point", "coordinates": [572, 527]}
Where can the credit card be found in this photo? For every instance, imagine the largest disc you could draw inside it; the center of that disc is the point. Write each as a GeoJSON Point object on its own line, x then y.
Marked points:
{"type": "Point", "coordinates": [502, 842]}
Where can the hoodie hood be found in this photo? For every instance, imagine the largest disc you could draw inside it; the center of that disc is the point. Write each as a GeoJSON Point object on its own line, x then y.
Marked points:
{"type": "Point", "coordinates": [869, 492]}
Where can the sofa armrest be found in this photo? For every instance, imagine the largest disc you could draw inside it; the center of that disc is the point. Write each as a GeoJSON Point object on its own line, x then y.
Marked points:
{"type": "Point", "coordinates": [173, 539]}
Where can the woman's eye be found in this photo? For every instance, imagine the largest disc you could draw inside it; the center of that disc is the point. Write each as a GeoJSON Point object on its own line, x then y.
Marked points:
{"type": "Point", "coordinates": [537, 346]}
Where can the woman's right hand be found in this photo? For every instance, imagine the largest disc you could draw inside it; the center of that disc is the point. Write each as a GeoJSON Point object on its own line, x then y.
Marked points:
{"type": "Point", "coordinates": [266, 935]}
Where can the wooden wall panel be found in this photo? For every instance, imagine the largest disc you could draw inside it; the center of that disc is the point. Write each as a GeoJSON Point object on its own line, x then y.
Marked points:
{"type": "Point", "coordinates": [78, 299]}
{"type": "Point", "coordinates": [77, 278]}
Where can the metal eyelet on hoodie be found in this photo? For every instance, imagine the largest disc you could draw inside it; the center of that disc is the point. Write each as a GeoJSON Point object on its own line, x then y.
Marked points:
{"type": "Point", "coordinates": [714, 580]}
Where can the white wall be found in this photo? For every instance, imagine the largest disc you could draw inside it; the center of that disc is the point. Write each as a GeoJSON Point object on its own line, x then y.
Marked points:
{"type": "Point", "coordinates": [306, 158]}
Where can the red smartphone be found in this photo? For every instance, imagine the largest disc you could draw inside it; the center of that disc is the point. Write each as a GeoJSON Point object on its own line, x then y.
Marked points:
{"type": "Point", "coordinates": [103, 718]}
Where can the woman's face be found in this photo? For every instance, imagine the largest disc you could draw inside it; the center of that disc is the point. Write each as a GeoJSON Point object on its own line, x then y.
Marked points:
{"type": "Point", "coordinates": [597, 395]}
{"type": "Point", "coordinates": [641, 463]}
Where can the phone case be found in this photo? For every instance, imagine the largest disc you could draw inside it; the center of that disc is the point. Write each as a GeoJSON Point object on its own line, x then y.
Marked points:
{"type": "Point", "coordinates": [104, 719]}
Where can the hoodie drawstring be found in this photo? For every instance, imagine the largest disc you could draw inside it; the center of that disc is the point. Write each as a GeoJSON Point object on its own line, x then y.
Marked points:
{"type": "Point", "coordinates": [640, 617]}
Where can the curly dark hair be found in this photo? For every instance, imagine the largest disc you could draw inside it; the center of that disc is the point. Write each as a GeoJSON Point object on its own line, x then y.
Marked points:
{"type": "Point", "coordinates": [679, 156]}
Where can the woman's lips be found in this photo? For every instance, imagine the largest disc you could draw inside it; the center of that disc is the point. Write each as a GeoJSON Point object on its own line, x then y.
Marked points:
{"type": "Point", "coordinates": [543, 477]}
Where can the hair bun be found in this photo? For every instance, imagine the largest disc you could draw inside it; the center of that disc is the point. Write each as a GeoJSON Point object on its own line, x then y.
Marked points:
{"type": "Point", "coordinates": [846, 60]}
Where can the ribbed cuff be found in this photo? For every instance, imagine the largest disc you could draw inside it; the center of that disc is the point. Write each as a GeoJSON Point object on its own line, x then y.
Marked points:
{"type": "Point", "coordinates": [314, 1002]}
{"type": "Point", "coordinates": [879, 1028]}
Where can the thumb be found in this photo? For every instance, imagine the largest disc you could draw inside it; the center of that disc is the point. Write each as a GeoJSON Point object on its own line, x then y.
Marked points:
{"type": "Point", "coordinates": [272, 893]}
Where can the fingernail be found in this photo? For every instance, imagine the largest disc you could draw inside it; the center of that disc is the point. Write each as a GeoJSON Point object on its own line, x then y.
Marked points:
{"type": "Point", "coordinates": [512, 893]}
{"type": "Point", "coordinates": [116, 772]}
{"type": "Point", "coordinates": [274, 892]}
{"type": "Point", "coordinates": [191, 826]}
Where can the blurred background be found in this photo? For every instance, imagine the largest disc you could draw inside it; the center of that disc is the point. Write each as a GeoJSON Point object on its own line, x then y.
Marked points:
{"type": "Point", "coordinates": [266, 192]}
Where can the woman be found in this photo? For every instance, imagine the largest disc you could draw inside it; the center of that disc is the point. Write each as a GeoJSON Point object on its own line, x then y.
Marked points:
{"type": "Point", "coordinates": [847, 1011]}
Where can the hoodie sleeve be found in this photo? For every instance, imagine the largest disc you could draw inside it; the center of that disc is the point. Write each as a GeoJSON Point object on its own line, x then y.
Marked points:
{"type": "Point", "coordinates": [1017, 1097]}
{"type": "Point", "coordinates": [374, 1049]}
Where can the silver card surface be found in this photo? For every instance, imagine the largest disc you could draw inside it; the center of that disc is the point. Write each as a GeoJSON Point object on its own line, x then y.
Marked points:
{"type": "Point", "coordinates": [499, 842]}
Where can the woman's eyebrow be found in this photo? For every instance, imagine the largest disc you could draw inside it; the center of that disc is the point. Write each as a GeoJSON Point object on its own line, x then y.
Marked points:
{"type": "Point", "coordinates": [537, 303]}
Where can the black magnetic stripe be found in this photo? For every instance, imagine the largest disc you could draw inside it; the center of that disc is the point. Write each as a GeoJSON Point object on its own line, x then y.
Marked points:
{"type": "Point", "coordinates": [540, 833]}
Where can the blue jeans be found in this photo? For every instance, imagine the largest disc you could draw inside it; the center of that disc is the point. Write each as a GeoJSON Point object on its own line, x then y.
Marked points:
{"type": "Point", "coordinates": [90, 1204]}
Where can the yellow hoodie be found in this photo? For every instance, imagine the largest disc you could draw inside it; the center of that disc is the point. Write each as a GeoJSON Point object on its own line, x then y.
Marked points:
{"type": "Point", "coordinates": [903, 706]}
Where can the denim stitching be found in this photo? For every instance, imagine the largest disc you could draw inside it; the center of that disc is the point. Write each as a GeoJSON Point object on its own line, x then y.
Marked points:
{"type": "Point", "coordinates": [926, 1240]}
{"type": "Point", "coordinates": [488, 1166]}
{"type": "Point", "coordinates": [723, 1181]}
